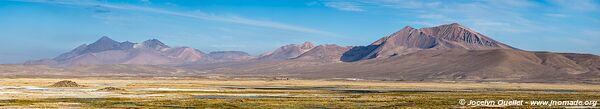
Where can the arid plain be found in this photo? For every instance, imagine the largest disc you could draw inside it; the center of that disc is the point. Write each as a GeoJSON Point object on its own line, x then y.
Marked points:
{"type": "Point", "coordinates": [446, 66]}
{"type": "Point", "coordinates": [173, 92]}
{"type": "Point", "coordinates": [299, 54]}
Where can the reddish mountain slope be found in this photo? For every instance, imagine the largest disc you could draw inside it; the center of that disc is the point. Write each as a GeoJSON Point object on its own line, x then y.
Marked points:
{"type": "Point", "coordinates": [230, 55]}
{"type": "Point", "coordinates": [287, 52]}
{"type": "Point", "coordinates": [324, 53]}
{"type": "Point", "coordinates": [408, 40]}
{"type": "Point", "coordinates": [443, 53]}
{"type": "Point", "coordinates": [108, 51]}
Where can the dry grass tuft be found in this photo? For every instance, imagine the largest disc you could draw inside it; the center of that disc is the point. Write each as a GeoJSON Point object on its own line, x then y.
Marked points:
{"type": "Point", "coordinates": [111, 89]}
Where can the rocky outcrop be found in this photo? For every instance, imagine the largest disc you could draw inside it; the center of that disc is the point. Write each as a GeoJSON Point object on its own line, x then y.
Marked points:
{"type": "Point", "coordinates": [65, 83]}
{"type": "Point", "coordinates": [111, 89]}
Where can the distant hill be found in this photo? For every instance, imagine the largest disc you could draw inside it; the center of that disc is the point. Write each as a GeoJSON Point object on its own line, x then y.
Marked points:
{"type": "Point", "coordinates": [230, 55]}
{"type": "Point", "coordinates": [450, 52]}
{"type": "Point", "coordinates": [408, 40]}
{"type": "Point", "coordinates": [325, 53]}
{"type": "Point", "coordinates": [151, 52]}
{"type": "Point", "coordinates": [287, 52]}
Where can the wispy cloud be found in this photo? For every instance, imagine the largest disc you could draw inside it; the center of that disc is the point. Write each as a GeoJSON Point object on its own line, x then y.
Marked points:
{"type": "Point", "coordinates": [512, 3]}
{"type": "Point", "coordinates": [405, 4]}
{"type": "Point", "coordinates": [580, 42]}
{"type": "Point", "coordinates": [145, 1]}
{"type": "Point", "coordinates": [99, 9]}
{"type": "Point", "coordinates": [432, 16]}
{"type": "Point", "coordinates": [556, 15]}
{"type": "Point", "coordinates": [493, 15]}
{"type": "Point", "coordinates": [344, 6]}
{"type": "Point", "coordinates": [581, 5]}
{"type": "Point", "coordinates": [195, 15]}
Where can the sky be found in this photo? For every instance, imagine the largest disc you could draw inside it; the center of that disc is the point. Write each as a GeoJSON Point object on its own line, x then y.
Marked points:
{"type": "Point", "coordinates": [36, 29]}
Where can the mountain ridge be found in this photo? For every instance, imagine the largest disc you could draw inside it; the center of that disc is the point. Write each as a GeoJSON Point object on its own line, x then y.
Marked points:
{"type": "Point", "coordinates": [409, 40]}
{"type": "Point", "coordinates": [450, 52]}
{"type": "Point", "coordinates": [287, 51]}
{"type": "Point", "coordinates": [108, 51]}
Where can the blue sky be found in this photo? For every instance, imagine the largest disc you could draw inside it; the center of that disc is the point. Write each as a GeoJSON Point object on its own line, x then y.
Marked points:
{"type": "Point", "coordinates": [34, 29]}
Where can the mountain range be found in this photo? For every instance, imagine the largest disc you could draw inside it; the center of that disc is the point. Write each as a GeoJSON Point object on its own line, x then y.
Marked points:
{"type": "Point", "coordinates": [450, 52]}
{"type": "Point", "coordinates": [149, 52]}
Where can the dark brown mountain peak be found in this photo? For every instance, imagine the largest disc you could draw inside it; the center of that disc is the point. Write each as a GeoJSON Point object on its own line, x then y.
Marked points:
{"type": "Point", "coordinates": [407, 28]}
{"type": "Point", "coordinates": [453, 27]}
{"type": "Point", "coordinates": [287, 52]}
{"type": "Point", "coordinates": [307, 45]}
{"type": "Point", "coordinates": [103, 44]}
{"type": "Point", "coordinates": [440, 37]}
{"type": "Point", "coordinates": [154, 44]}
{"type": "Point", "coordinates": [408, 40]}
{"type": "Point", "coordinates": [105, 39]}
{"type": "Point", "coordinates": [324, 53]}
{"type": "Point", "coordinates": [185, 54]}
{"type": "Point", "coordinates": [460, 36]}
{"type": "Point", "coordinates": [454, 24]}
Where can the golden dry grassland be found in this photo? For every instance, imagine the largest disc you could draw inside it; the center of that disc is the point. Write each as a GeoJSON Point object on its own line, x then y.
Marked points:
{"type": "Point", "coordinates": [275, 94]}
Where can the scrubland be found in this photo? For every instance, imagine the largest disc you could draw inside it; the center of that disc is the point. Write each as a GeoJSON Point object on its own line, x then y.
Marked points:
{"type": "Point", "coordinates": [275, 94]}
